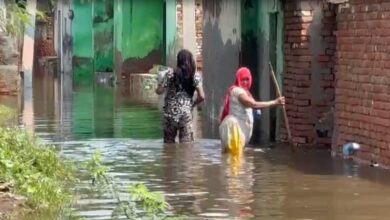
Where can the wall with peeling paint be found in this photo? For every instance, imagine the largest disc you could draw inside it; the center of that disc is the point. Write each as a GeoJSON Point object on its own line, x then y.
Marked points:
{"type": "Point", "coordinates": [82, 33]}
{"type": "Point", "coordinates": [221, 50]}
{"type": "Point", "coordinates": [139, 38]}
{"type": "Point", "coordinates": [127, 37]}
{"type": "Point", "coordinates": [103, 25]}
{"type": "Point", "coordinates": [170, 32]}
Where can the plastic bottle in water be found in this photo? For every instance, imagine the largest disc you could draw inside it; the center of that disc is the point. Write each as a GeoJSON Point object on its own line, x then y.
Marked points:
{"type": "Point", "coordinates": [350, 148]}
{"type": "Point", "coordinates": [257, 113]}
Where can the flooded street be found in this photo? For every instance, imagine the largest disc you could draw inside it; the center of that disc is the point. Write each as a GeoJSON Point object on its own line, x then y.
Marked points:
{"type": "Point", "coordinates": [198, 181]}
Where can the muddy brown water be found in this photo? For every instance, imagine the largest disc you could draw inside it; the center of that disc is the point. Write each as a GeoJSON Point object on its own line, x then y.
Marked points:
{"type": "Point", "coordinates": [197, 180]}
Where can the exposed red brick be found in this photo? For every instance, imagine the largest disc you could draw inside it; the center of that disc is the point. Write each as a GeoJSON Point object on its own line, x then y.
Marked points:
{"type": "Point", "coordinates": [300, 77]}
{"type": "Point", "coordinates": [362, 71]}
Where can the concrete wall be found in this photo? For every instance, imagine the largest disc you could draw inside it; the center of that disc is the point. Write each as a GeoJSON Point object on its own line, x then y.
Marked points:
{"type": "Point", "coordinates": [363, 78]}
{"type": "Point", "coordinates": [221, 51]}
{"type": "Point", "coordinates": [309, 65]}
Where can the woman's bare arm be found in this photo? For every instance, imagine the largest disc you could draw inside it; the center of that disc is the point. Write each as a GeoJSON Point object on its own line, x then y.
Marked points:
{"type": "Point", "coordinates": [200, 95]}
{"type": "Point", "coordinates": [249, 102]}
{"type": "Point", "coordinates": [160, 89]}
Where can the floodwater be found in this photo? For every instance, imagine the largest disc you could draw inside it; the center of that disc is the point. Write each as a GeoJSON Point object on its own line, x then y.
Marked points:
{"type": "Point", "coordinates": [198, 181]}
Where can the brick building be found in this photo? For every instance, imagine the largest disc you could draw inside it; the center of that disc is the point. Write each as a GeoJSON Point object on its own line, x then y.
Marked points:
{"type": "Point", "coordinates": [335, 67]}
{"type": "Point", "coordinates": [338, 74]}
{"type": "Point", "coordinates": [309, 48]}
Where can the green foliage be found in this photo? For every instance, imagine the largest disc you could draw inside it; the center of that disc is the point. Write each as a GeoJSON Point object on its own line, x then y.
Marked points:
{"type": "Point", "coordinates": [152, 203]}
{"type": "Point", "coordinates": [6, 115]}
{"type": "Point", "coordinates": [35, 171]}
{"type": "Point", "coordinates": [96, 168]}
{"type": "Point", "coordinates": [141, 203]}
{"type": "Point", "coordinates": [18, 18]}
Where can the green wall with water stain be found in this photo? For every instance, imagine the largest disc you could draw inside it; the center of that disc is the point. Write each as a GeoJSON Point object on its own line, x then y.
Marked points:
{"type": "Point", "coordinates": [103, 31]}
{"type": "Point", "coordinates": [82, 35]}
{"type": "Point", "coordinates": [139, 35]}
{"type": "Point", "coordinates": [125, 36]}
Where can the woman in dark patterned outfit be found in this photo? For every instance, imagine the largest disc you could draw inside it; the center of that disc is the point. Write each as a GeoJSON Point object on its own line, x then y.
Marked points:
{"type": "Point", "coordinates": [180, 86]}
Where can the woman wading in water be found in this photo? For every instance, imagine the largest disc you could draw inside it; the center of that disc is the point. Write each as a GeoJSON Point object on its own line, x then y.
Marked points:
{"type": "Point", "coordinates": [180, 86]}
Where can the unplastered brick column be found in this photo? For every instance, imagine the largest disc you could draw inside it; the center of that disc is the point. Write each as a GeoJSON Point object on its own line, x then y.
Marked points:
{"type": "Point", "coordinates": [198, 29]}
{"type": "Point", "coordinates": [362, 109]}
{"type": "Point", "coordinates": [199, 33]}
{"type": "Point", "coordinates": [179, 20]}
{"type": "Point", "coordinates": [309, 70]}
{"type": "Point", "coordinates": [9, 70]}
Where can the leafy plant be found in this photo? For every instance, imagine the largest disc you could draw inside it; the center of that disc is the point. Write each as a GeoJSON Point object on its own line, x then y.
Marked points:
{"type": "Point", "coordinates": [6, 115]}
{"type": "Point", "coordinates": [18, 18]}
{"type": "Point", "coordinates": [141, 203]}
{"type": "Point", "coordinates": [34, 170]}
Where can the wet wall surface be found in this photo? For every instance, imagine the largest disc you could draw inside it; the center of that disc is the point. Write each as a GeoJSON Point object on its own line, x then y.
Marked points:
{"type": "Point", "coordinates": [221, 50]}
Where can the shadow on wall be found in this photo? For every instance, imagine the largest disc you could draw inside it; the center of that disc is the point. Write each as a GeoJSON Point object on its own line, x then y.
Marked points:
{"type": "Point", "coordinates": [220, 62]}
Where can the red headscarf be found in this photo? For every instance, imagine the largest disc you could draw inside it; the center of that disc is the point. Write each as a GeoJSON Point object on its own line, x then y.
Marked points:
{"type": "Point", "coordinates": [241, 74]}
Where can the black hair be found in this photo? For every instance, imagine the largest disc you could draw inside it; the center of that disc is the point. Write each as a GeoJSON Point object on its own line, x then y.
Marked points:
{"type": "Point", "coordinates": [185, 71]}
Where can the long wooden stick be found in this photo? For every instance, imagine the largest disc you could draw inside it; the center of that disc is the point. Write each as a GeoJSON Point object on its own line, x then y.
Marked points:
{"type": "Point", "coordinates": [284, 107]}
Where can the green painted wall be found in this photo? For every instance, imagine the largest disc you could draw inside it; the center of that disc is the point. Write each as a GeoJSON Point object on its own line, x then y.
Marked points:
{"type": "Point", "coordinates": [82, 42]}
{"type": "Point", "coordinates": [125, 36]}
{"type": "Point", "coordinates": [142, 33]}
{"type": "Point", "coordinates": [82, 29]}
{"type": "Point", "coordinates": [103, 25]}
{"type": "Point", "coordinates": [268, 10]}
{"type": "Point", "coordinates": [170, 31]}
{"type": "Point", "coordinates": [139, 38]}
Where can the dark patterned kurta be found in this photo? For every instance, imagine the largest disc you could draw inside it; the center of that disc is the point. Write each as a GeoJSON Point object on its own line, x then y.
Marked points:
{"type": "Point", "coordinates": [178, 110]}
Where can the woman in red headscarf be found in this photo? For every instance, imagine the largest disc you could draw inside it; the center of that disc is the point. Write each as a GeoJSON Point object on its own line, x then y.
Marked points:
{"type": "Point", "coordinates": [236, 123]}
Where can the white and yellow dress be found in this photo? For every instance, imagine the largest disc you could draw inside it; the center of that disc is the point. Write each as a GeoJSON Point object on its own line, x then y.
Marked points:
{"type": "Point", "coordinates": [235, 130]}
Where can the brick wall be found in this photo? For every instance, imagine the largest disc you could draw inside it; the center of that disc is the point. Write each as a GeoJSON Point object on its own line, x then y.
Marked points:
{"type": "Point", "coordinates": [309, 70]}
{"type": "Point", "coordinates": [9, 80]}
{"type": "Point", "coordinates": [44, 41]}
{"type": "Point", "coordinates": [362, 109]}
{"type": "Point", "coordinates": [9, 71]}
{"type": "Point", "coordinates": [199, 33]}
{"type": "Point", "coordinates": [179, 20]}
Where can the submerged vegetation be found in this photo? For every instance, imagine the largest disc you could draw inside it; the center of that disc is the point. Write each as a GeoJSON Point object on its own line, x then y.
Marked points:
{"type": "Point", "coordinates": [140, 202]}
